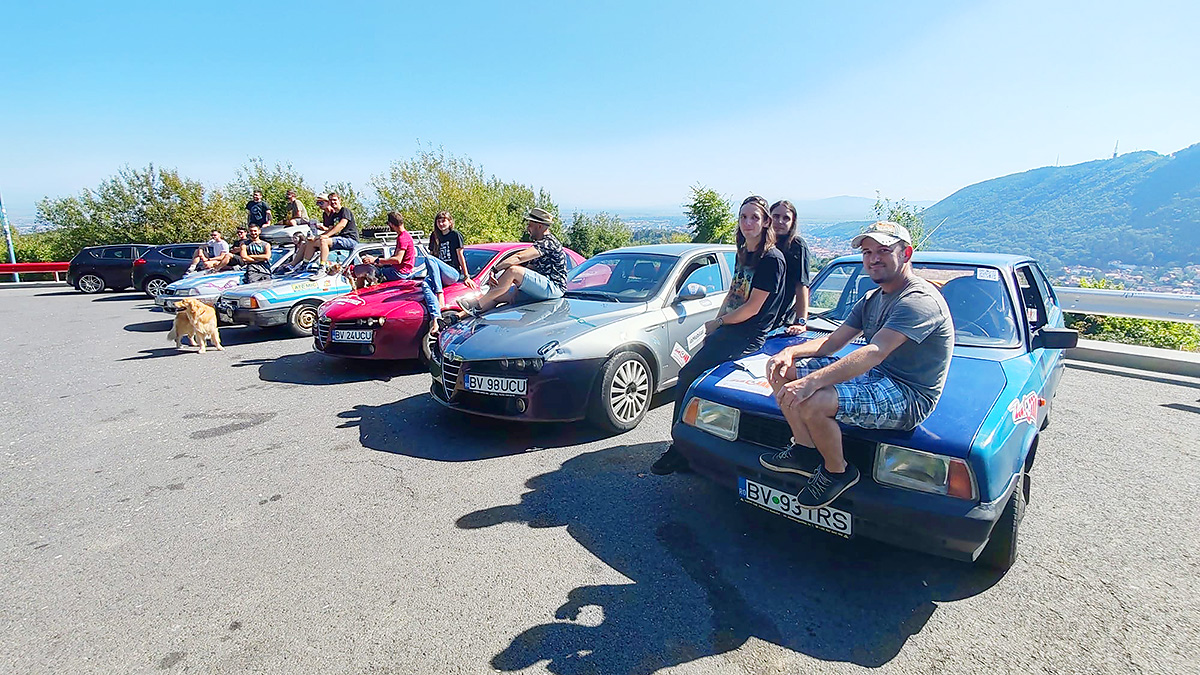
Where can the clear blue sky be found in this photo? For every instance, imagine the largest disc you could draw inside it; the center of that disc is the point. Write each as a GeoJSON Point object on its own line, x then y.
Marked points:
{"type": "Point", "coordinates": [613, 105]}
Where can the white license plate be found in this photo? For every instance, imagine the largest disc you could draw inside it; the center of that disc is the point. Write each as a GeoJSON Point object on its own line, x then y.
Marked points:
{"type": "Point", "coordinates": [500, 386]}
{"type": "Point", "coordinates": [772, 499]}
{"type": "Point", "coordinates": [353, 335]}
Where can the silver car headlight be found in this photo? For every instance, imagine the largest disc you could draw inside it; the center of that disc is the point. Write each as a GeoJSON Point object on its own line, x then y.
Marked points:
{"type": "Point", "coordinates": [718, 420]}
{"type": "Point", "coordinates": [924, 471]}
{"type": "Point", "coordinates": [190, 291]}
{"type": "Point", "coordinates": [247, 302]}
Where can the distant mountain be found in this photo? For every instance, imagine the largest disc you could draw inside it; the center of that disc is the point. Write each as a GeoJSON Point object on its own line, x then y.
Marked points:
{"type": "Point", "coordinates": [1141, 208]}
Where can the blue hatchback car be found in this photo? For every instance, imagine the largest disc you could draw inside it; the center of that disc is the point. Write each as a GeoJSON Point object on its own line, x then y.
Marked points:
{"type": "Point", "coordinates": [955, 486]}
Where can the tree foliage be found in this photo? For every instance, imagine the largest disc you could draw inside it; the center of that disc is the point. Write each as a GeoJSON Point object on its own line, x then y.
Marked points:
{"type": "Point", "coordinates": [902, 213]}
{"type": "Point", "coordinates": [710, 216]}
{"type": "Point", "coordinates": [151, 205]}
{"type": "Point", "coordinates": [274, 181]}
{"type": "Point", "coordinates": [1130, 331]}
{"type": "Point", "coordinates": [589, 235]}
{"type": "Point", "coordinates": [484, 207]}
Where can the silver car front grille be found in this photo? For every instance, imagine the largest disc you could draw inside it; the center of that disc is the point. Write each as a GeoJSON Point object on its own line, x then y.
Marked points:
{"type": "Point", "coordinates": [321, 330]}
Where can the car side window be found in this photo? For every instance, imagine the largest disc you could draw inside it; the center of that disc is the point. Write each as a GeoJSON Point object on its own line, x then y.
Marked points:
{"type": "Point", "coordinates": [139, 251]}
{"type": "Point", "coordinates": [340, 256]}
{"type": "Point", "coordinates": [119, 253]}
{"type": "Point", "coordinates": [1031, 298]}
{"type": "Point", "coordinates": [180, 252]}
{"type": "Point", "coordinates": [1044, 286]}
{"type": "Point", "coordinates": [703, 271]}
{"type": "Point", "coordinates": [730, 261]}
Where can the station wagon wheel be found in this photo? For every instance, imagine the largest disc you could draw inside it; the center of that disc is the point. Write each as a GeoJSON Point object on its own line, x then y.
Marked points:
{"type": "Point", "coordinates": [302, 318]}
{"type": "Point", "coordinates": [90, 283]}
{"type": "Point", "coordinates": [155, 286]}
{"type": "Point", "coordinates": [623, 392]}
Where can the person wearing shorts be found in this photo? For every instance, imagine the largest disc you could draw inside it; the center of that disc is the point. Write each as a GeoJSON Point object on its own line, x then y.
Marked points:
{"type": "Point", "coordinates": [892, 382]}
{"type": "Point", "coordinates": [538, 272]}
{"type": "Point", "coordinates": [342, 231]}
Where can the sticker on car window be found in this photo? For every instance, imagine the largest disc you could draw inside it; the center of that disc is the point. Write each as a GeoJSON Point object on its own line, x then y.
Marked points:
{"type": "Point", "coordinates": [987, 274]}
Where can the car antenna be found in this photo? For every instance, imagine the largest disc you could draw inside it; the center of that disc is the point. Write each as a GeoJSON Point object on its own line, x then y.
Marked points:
{"type": "Point", "coordinates": [930, 233]}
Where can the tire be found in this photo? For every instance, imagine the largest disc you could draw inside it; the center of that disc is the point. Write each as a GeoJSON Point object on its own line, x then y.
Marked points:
{"type": "Point", "coordinates": [622, 394]}
{"type": "Point", "coordinates": [302, 318]}
{"type": "Point", "coordinates": [154, 286]}
{"type": "Point", "coordinates": [90, 284]}
{"type": "Point", "coordinates": [1001, 550]}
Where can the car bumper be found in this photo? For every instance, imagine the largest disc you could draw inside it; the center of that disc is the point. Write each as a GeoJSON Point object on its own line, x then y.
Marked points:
{"type": "Point", "coordinates": [396, 341]}
{"type": "Point", "coordinates": [262, 318]}
{"type": "Point", "coordinates": [934, 524]}
{"type": "Point", "coordinates": [559, 392]}
{"type": "Point", "coordinates": [170, 303]}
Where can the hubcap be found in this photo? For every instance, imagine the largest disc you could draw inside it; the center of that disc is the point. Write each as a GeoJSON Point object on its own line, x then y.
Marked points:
{"type": "Point", "coordinates": [156, 286]}
{"type": "Point", "coordinates": [630, 391]}
{"type": "Point", "coordinates": [90, 283]}
{"type": "Point", "coordinates": [306, 318]}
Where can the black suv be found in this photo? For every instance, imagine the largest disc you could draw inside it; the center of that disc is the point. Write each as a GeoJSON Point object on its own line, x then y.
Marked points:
{"type": "Point", "coordinates": [97, 267]}
{"type": "Point", "coordinates": [161, 265]}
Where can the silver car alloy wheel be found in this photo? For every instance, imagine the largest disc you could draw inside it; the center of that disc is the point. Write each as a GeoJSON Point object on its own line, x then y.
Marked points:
{"type": "Point", "coordinates": [155, 287]}
{"type": "Point", "coordinates": [90, 283]}
{"type": "Point", "coordinates": [630, 391]}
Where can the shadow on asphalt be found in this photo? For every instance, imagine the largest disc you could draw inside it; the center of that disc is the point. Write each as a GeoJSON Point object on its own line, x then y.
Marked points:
{"type": "Point", "coordinates": [56, 293]}
{"type": "Point", "coordinates": [708, 573]}
{"type": "Point", "coordinates": [314, 368]}
{"type": "Point", "coordinates": [159, 353]}
{"type": "Point", "coordinates": [230, 335]}
{"type": "Point", "coordinates": [161, 326]}
{"type": "Point", "coordinates": [122, 296]}
{"type": "Point", "coordinates": [420, 427]}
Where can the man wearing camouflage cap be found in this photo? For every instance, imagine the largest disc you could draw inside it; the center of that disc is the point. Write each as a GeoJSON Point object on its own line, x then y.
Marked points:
{"type": "Point", "coordinates": [892, 382]}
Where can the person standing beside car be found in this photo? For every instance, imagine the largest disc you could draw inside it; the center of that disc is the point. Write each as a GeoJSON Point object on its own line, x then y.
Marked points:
{"type": "Point", "coordinates": [796, 255]}
{"type": "Point", "coordinates": [748, 313]}
{"type": "Point", "coordinates": [447, 244]}
{"type": "Point", "coordinates": [892, 382]}
{"type": "Point", "coordinates": [258, 212]}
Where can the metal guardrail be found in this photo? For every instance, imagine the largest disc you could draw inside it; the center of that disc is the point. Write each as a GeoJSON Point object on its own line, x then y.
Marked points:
{"type": "Point", "coordinates": [55, 268]}
{"type": "Point", "coordinates": [1134, 304]}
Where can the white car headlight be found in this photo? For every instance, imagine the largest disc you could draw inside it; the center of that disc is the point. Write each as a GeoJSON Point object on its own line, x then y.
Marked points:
{"type": "Point", "coordinates": [247, 302]}
{"type": "Point", "coordinates": [718, 420]}
{"type": "Point", "coordinates": [191, 291]}
{"type": "Point", "coordinates": [924, 471]}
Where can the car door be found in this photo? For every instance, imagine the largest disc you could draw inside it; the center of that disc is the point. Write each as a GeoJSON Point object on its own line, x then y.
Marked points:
{"type": "Point", "coordinates": [1054, 319]}
{"type": "Point", "coordinates": [686, 318]}
{"type": "Point", "coordinates": [176, 260]}
{"type": "Point", "coordinates": [1046, 363]}
{"type": "Point", "coordinates": [116, 266]}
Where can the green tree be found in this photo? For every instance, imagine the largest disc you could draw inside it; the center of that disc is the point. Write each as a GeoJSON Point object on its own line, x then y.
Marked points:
{"type": "Point", "coordinates": [1130, 331]}
{"type": "Point", "coordinates": [484, 207]}
{"type": "Point", "coordinates": [710, 216]}
{"type": "Point", "coordinates": [589, 235]}
{"type": "Point", "coordinates": [151, 205]}
{"type": "Point", "coordinates": [274, 181]}
{"type": "Point", "coordinates": [902, 213]}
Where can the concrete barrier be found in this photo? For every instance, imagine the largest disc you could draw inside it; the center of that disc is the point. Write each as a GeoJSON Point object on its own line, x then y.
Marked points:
{"type": "Point", "coordinates": [1151, 359]}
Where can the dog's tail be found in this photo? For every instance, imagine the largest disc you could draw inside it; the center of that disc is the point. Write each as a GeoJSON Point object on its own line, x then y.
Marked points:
{"type": "Point", "coordinates": [171, 335]}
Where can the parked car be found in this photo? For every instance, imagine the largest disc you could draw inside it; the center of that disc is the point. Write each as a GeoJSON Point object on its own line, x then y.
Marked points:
{"type": "Point", "coordinates": [957, 485]}
{"type": "Point", "coordinates": [291, 300]}
{"type": "Point", "coordinates": [389, 321]}
{"type": "Point", "coordinates": [161, 265]}
{"type": "Point", "coordinates": [630, 318]}
{"type": "Point", "coordinates": [207, 286]}
{"type": "Point", "coordinates": [95, 268]}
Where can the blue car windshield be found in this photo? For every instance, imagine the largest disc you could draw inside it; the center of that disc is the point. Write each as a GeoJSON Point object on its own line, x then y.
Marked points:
{"type": "Point", "coordinates": [977, 297]}
{"type": "Point", "coordinates": [620, 277]}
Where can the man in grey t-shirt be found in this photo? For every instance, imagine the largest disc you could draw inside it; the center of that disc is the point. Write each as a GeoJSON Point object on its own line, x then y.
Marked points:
{"type": "Point", "coordinates": [892, 382]}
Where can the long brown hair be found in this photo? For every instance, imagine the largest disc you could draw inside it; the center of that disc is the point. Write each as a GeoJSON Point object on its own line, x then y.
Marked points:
{"type": "Point", "coordinates": [765, 243]}
{"type": "Point", "coordinates": [786, 242]}
{"type": "Point", "coordinates": [435, 237]}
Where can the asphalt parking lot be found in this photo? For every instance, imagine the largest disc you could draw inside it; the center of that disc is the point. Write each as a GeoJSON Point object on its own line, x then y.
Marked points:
{"type": "Point", "coordinates": [265, 509]}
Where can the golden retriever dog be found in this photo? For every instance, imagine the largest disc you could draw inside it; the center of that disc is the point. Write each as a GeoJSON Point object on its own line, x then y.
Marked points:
{"type": "Point", "coordinates": [198, 321]}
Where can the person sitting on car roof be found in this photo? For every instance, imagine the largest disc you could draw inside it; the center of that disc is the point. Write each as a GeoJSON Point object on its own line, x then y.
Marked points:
{"type": "Point", "coordinates": [892, 382]}
{"type": "Point", "coordinates": [232, 257]}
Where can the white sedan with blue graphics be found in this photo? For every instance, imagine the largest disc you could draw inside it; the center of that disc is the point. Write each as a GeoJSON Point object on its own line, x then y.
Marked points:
{"type": "Point", "coordinates": [291, 300]}
{"type": "Point", "coordinates": [208, 286]}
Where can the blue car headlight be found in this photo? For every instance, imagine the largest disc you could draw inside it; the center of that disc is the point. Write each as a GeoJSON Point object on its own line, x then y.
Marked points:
{"type": "Point", "coordinates": [924, 471]}
{"type": "Point", "coordinates": [717, 419]}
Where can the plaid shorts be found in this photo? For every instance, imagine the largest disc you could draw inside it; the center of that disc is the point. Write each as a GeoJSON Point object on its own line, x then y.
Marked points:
{"type": "Point", "coordinates": [870, 401]}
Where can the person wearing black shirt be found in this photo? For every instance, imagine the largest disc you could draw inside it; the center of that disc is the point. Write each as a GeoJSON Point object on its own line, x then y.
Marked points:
{"type": "Point", "coordinates": [748, 313]}
{"type": "Point", "coordinates": [341, 232]}
{"type": "Point", "coordinates": [232, 258]}
{"type": "Point", "coordinates": [795, 253]}
{"type": "Point", "coordinates": [258, 212]}
{"type": "Point", "coordinates": [447, 244]}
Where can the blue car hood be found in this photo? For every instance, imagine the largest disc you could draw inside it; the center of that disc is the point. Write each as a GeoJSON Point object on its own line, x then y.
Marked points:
{"type": "Point", "coordinates": [521, 331]}
{"type": "Point", "coordinates": [972, 387]}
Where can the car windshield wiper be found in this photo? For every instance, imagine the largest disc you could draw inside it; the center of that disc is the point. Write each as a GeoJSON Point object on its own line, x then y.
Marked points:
{"type": "Point", "coordinates": [592, 295]}
{"type": "Point", "coordinates": [825, 316]}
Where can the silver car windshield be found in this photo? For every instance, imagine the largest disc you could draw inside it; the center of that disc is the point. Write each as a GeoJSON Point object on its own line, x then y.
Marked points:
{"type": "Point", "coordinates": [620, 277]}
{"type": "Point", "coordinates": [978, 301]}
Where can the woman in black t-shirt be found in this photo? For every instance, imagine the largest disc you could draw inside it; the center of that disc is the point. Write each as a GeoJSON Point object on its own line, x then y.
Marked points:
{"type": "Point", "coordinates": [796, 255]}
{"type": "Point", "coordinates": [447, 244]}
{"type": "Point", "coordinates": [748, 313]}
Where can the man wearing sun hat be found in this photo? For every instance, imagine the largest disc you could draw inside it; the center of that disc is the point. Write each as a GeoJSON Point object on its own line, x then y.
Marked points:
{"type": "Point", "coordinates": [892, 382]}
{"type": "Point", "coordinates": [535, 273]}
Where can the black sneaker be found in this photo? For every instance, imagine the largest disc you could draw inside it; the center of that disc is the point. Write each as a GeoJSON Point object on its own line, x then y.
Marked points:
{"type": "Point", "coordinates": [824, 487]}
{"type": "Point", "coordinates": [792, 459]}
{"type": "Point", "coordinates": [670, 462]}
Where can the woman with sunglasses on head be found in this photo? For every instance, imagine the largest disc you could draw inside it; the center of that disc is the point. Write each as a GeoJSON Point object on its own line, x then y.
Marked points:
{"type": "Point", "coordinates": [748, 313]}
{"type": "Point", "coordinates": [796, 255]}
{"type": "Point", "coordinates": [447, 244]}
